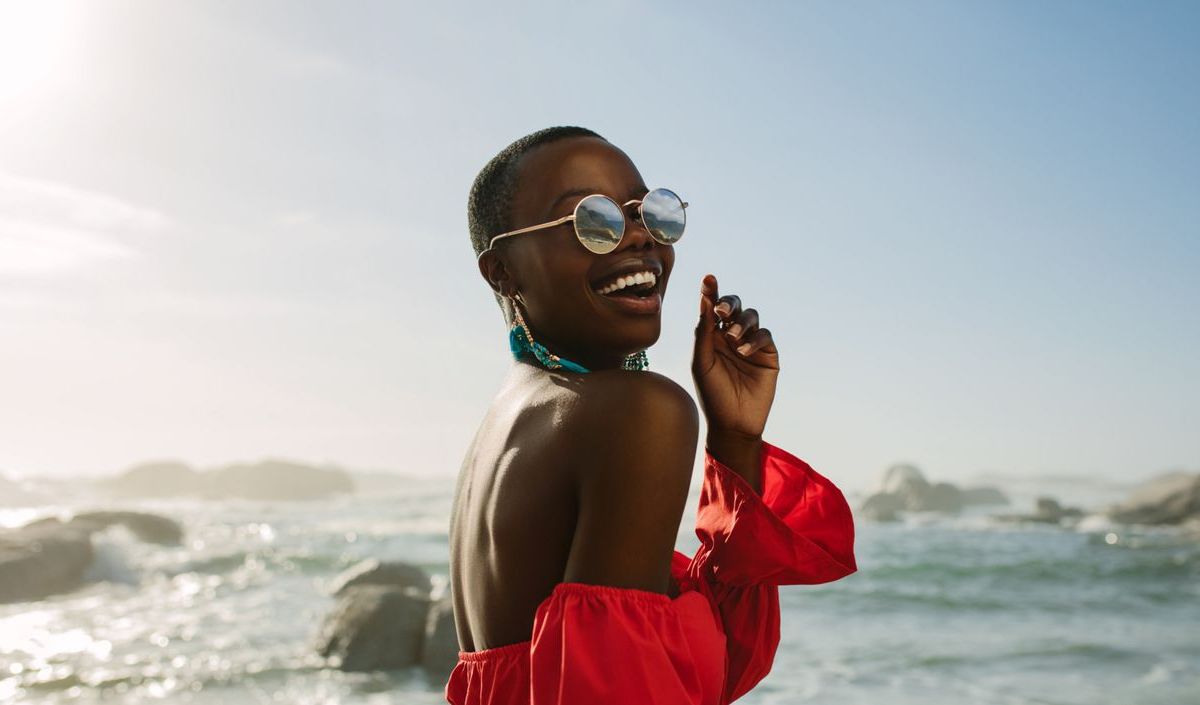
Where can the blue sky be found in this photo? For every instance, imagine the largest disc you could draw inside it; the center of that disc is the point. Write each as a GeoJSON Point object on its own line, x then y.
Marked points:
{"type": "Point", "coordinates": [233, 230]}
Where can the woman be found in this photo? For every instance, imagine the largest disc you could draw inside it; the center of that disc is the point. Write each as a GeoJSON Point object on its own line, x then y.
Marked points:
{"type": "Point", "coordinates": [567, 588]}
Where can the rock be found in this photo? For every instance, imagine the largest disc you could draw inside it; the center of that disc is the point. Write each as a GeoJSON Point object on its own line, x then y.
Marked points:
{"type": "Point", "coordinates": [157, 479]}
{"type": "Point", "coordinates": [392, 573]}
{"type": "Point", "coordinates": [276, 480]}
{"type": "Point", "coordinates": [904, 488]}
{"type": "Point", "coordinates": [1047, 510]}
{"type": "Point", "coordinates": [1172, 498]}
{"type": "Point", "coordinates": [150, 528]}
{"type": "Point", "coordinates": [974, 496]}
{"type": "Point", "coordinates": [268, 479]}
{"type": "Point", "coordinates": [375, 627]}
{"type": "Point", "coordinates": [882, 507]}
{"type": "Point", "coordinates": [439, 653]}
{"type": "Point", "coordinates": [12, 494]}
{"type": "Point", "coordinates": [42, 560]}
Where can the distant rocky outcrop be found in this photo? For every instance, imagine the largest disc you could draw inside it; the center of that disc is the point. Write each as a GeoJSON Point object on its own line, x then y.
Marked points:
{"type": "Point", "coordinates": [904, 488]}
{"type": "Point", "coordinates": [1047, 510]}
{"type": "Point", "coordinates": [386, 618]}
{"type": "Point", "coordinates": [1172, 498]}
{"type": "Point", "coordinates": [51, 556]}
{"type": "Point", "coordinates": [269, 479]}
{"type": "Point", "coordinates": [12, 494]}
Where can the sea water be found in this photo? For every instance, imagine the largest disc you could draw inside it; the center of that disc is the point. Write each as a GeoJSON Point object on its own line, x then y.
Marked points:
{"type": "Point", "coordinates": [962, 610]}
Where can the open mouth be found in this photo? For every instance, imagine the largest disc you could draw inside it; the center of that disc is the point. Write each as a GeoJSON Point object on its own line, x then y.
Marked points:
{"type": "Point", "coordinates": [638, 285]}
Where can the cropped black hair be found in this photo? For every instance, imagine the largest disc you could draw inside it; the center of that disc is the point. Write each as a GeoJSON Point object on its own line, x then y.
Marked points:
{"type": "Point", "coordinates": [489, 207]}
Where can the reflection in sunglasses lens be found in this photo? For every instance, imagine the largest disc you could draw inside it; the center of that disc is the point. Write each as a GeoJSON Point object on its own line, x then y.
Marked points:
{"type": "Point", "coordinates": [599, 223]}
{"type": "Point", "coordinates": [664, 215]}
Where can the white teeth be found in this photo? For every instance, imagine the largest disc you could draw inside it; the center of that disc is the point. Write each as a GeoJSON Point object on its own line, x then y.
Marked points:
{"type": "Point", "coordinates": [629, 280]}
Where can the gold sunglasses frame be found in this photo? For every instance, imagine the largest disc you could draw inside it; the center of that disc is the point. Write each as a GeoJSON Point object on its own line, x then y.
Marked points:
{"type": "Point", "coordinates": [571, 217]}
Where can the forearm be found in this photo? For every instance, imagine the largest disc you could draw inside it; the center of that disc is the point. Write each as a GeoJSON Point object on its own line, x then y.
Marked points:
{"type": "Point", "coordinates": [739, 452]}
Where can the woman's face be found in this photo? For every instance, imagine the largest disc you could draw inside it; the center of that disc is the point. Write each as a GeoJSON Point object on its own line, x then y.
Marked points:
{"type": "Point", "coordinates": [559, 278]}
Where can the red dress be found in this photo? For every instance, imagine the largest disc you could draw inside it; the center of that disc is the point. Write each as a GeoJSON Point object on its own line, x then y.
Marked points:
{"type": "Point", "coordinates": [604, 645]}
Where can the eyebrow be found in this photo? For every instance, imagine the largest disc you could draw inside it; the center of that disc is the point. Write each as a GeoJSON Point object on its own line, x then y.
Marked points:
{"type": "Point", "coordinates": [586, 192]}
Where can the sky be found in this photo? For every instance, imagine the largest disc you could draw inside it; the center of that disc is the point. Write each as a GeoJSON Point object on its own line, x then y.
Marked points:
{"type": "Point", "coordinates": [235, 230]}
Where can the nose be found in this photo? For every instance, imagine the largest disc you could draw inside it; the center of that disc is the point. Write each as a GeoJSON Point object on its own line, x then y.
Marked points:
{"type": "Point", "coordinates": [636, 235]}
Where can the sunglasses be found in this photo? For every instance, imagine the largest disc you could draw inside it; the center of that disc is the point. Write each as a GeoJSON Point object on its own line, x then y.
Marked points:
{"type": "Point", "coordinates": [600, 222]}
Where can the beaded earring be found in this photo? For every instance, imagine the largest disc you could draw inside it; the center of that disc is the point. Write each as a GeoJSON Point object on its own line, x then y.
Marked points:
{"type": "Point", "coordinates": [521, 343]}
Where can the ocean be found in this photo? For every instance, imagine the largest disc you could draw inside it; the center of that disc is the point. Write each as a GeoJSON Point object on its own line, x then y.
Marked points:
{"type": "Point", "coordinates": [962, 610]}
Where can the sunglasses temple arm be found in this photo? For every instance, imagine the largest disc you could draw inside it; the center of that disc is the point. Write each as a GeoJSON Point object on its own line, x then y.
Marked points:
{"type": "Point", "coordinates": [531, 228]}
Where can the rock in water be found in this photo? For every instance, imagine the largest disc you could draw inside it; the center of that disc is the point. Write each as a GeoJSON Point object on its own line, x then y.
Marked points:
{"type": "Point", "coordinates": [150, 528]}
{"type": "Point", "coordinates": [375, 627]}
{"type": "Point", "coordinates": [1167, 499]}
{"type": "Point", "coordinates": [440, 652]}
{"type": "Point", "coordinates": [375, 572]}
{"type": "Point", "coordinates": [42, 560]}
{"type": "Point", "coordinates": [276, 480]}
{"type": "Point", "coordinates": [168, 478]}
{"type": "Point", "coordinates": [984, 496]}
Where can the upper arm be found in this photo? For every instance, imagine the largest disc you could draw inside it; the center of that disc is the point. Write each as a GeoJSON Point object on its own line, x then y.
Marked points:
{"type": "Point", "coordinates": [636, 435]}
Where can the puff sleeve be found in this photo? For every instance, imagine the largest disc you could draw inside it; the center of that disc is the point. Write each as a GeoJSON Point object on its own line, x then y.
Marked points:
{"type": "Point", "coordinates": [596, 644]}
{"type": "Point", "coordinates": [800, 530]}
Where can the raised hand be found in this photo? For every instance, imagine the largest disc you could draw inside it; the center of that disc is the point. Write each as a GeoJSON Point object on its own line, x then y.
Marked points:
{"type": "Point", "coordinates": [735, 365]}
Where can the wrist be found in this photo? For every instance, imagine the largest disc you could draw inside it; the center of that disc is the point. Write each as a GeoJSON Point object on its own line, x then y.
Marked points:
{"type": "Point", "coordinates": [738, 451]}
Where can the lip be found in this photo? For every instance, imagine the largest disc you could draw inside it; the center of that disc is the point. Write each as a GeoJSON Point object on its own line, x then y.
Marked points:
{"type": "Point", "coordinates": [643, 306]}
{"type": "Point", "coordinates": [629, 266]}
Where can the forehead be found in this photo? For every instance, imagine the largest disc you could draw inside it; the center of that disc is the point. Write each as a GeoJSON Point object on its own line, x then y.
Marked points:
{"type": "Point", "coordinates": [571, 165]}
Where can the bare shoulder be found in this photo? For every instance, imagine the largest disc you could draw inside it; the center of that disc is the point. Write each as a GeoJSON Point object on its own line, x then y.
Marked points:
{"type": "Point", "coordinates": [633, 435]}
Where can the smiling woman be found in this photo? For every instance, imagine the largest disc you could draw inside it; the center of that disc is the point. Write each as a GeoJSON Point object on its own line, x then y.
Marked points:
{"type": "Point", "coordinates": [566, 510]}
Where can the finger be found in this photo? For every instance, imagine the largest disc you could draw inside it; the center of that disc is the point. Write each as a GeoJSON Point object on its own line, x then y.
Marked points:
{"type": "Point", "coordinates": [728, 307]}
{"type": "Point", "coordinates": [708, 320]}
{"type": "Point", "coordinates": [760, 341]}
{"type": "Point", "coordinates": [746, 323]}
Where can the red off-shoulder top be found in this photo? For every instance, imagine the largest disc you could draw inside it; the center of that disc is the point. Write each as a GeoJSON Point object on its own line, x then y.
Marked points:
{"type": "Point", "coordinates": [604, 645]}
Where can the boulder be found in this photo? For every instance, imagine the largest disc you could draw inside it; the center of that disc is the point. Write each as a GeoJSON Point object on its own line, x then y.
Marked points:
{"type": "Point", "coordinates": [882, 506]}
{"type": "Point", "coordinates": [974, 496]}
{"type": "Point", "coordinates": [375, 627]}
{"type": "Point", "coordinates": [42, 560]}
{"type": "Point", "coordinates": [439, 654]}
{"type": "Point", "coordinates": [904, 488]}
{"type": "Point", "coordinates": [1047, 510]}
{"type": "Point", "coordinates": [150, 528]}
{"type": "Point", "coordinates": [1167, 499]}
{"type": "Point", "coordinates": [392, 573]}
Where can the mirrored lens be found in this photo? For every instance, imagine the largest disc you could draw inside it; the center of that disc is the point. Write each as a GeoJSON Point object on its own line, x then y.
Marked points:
{"type": "Point", "coordinates": [599, 223]}
{"type": "Point", "coordinates": [663, 215]}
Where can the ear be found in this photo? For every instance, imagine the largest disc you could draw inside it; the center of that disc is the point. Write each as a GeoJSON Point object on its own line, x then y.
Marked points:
{"type": "Point", "coordinates": [497, 274]}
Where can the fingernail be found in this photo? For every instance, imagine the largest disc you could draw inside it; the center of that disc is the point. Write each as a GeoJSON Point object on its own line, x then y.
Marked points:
{"type": "Point", "coordinates": [722, 309]}
{"type": "Point", "coordinates": [734, 330]}
{"type": "Point", "coordinates": [744, 348]}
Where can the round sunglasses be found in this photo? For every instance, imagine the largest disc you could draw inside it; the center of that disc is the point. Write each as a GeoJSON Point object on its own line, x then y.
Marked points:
{"type": "Point", "coordinates": [600, 222]}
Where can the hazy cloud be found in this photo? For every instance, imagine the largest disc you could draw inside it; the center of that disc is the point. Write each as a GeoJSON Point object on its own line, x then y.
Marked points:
{"type": "Point", "coordinates": [46, 227]}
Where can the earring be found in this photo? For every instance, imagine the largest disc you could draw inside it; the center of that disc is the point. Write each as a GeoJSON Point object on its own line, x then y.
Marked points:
{"type": "Point", "coordinates": [521, 342]}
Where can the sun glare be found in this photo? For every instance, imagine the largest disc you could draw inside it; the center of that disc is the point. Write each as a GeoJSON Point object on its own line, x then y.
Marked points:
{"type": "Point", "coordinates": [35, 43]}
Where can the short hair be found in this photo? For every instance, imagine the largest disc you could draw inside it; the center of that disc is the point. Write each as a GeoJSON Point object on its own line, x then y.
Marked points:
{"type": "Point", "coordinates": [489, 206]}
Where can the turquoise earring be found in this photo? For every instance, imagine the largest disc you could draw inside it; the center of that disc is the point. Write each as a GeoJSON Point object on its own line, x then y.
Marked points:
{"type": "Point", "coordinates": [522, 344]}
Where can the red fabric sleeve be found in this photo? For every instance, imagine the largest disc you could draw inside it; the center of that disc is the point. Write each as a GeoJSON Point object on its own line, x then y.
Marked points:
{"type": "Point", "coordinates": [800, 530]}
{"type": "Point", "coordinates": [601, 645]}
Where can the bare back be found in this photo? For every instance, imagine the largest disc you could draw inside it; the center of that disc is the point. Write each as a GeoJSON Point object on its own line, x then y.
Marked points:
{"type": "Point", "coordinates": [515, 507]}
